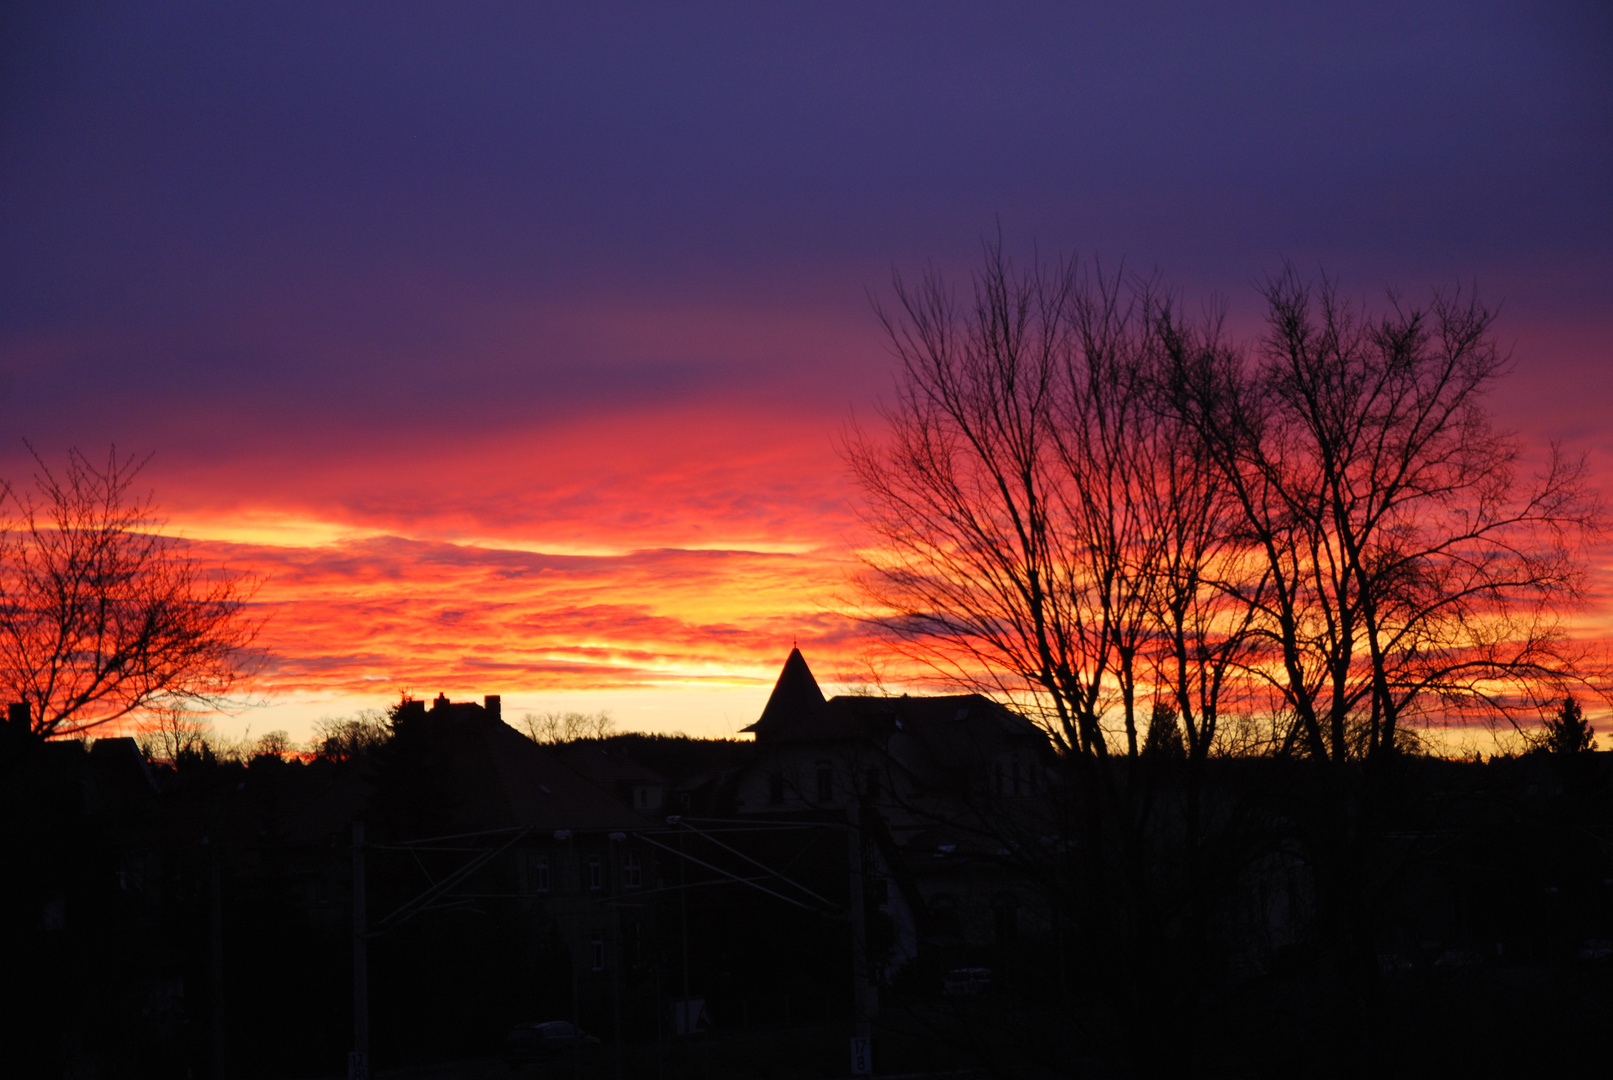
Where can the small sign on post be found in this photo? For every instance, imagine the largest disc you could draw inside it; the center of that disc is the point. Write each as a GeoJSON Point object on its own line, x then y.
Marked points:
{"type": "Point", "coordinates": [358, 1065]}
{"type": "Point", "coordinates": [862, 1057]}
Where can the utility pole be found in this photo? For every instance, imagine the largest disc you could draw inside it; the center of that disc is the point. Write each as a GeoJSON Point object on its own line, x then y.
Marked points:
{"type": "Point", "coordinates": [862, 1061]}
{"type": "Point", "coordinates": [358, 1062]}
{"type": "Point", "coordinates": [616, 890]}
{"type": "Point", "coordinates": [688, 1023]}
{"type": "Point", "coordinates": [660, 1019]}
{"type": "Point", "coordinates": [576, 1011]}
{"type": "Point", "coordinates": [683, 899]}
{"type": "Point", "coordinates": [216, 949]}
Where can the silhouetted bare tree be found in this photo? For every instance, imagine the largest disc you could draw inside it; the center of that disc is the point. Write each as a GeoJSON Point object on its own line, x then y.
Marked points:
{"type": "Point", "coordinates": [1046, 533]}
{"type": "Point", "coordinates": [556, 728]}
{"type": "Point", "coordinates": [1050, 536]}
{"type": "Point", "coordinates": [102, 617]}
{"type": "Point", "coordinates": [1394, 565]}
{"type": "Point", "coordinates": [168, 735]}
{"type": "Point", "coordinates": [1084, 500]}
{"type": "Point", "coordinates": [1399, 561]}
{"type": "Point", "coordinates": [347, 739]}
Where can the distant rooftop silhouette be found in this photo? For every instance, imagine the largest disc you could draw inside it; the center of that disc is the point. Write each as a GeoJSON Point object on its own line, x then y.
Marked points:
{"type": "Point", "coordinates": [500, 778]}
{"type": "Point", "coordinates": [951, 726]}
{"type": "Point", "coordinates": [795, 697]}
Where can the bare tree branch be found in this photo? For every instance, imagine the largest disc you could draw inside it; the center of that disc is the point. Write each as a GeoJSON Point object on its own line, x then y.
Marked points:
{"type": "Point", "coordinates": [102, 616]}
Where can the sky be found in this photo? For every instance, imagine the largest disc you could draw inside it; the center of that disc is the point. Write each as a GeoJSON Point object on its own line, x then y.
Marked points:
{"type": "Point", "coordinates": [510, 344]}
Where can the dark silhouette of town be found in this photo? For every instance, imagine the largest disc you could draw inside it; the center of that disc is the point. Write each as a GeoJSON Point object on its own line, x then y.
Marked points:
{"type": "Point", "coordinates": [887, 877]}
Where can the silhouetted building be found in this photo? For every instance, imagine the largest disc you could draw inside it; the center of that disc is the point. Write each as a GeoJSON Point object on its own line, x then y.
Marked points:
{"type": "Point", "coordinates": [945, 785]}
{"type": "Point", "coordinates": [644, 790]}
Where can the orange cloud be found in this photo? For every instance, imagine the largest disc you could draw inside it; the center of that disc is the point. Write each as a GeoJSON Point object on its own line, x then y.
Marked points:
{"type": "Point", "coordinates": [374, 615]}
{"type": "Point", "coordinates": [718, 475]}
{"type": "Point", "coordinates": [666, 555]}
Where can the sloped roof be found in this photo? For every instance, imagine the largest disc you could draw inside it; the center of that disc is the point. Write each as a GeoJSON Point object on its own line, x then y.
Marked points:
{"type": "Point", "coordinates": [953, 725]}
{"type": "Point", "coordinates": [502, 779]}
{"type": "Point", "coordinates": [795, 698]}
{"type": "Point", "coordinates": [120, 769]}
{"type": "Point", "coordinates": [604, 765]}
{"type": "Point", "coordinates": [531, 785]}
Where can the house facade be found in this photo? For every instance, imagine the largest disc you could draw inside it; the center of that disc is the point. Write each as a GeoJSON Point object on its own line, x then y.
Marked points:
{"type": "Point", "coordinates": [946, 792]}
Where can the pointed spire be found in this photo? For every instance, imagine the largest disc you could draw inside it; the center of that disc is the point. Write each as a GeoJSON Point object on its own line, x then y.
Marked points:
{"type": "Point", "coordinates": [795, 697]}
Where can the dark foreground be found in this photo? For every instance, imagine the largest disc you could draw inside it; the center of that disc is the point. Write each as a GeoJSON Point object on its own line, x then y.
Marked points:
{"type": "Point", "coordinates": [1466, 1017]}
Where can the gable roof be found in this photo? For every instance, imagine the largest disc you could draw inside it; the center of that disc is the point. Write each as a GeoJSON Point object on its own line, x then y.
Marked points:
{"type": "Point", "coordinates": [954, 724]}
{"type": "Point", "coordinates": [501, 778]}
{"type": "Point", "coordinates": [795, 697]}
{"type": "Point", "coordinates": [951, 727]}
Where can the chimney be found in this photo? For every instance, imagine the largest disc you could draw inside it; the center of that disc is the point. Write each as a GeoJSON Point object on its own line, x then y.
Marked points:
{"type": "Point", "coordinates": [492, 705]}
{"type": "Point", "coordinates": [20, 713]}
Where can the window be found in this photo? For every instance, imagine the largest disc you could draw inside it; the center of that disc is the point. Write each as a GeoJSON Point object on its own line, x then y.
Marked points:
{"type": "Point", "coordinates": [540, 873]}
{"type": "Point", "coordinates": [1008, 778]}
{"type": "Point", "coordinates": [1005, 907]}
{"type": "Point", "coordinates": [632, 871]}
{"type": "Point", "coordinates": [880, 889]}
{"type": "Point", "coordinates": [598, 943]}
{"type": "Point", "coordinates": [775, 787]}
{"type": "Point", "coordinates": [826, 781]}
{"type": "Point", "coordinates": [944, 914]}
{"type": "Point", "coordinates": [596, 872]}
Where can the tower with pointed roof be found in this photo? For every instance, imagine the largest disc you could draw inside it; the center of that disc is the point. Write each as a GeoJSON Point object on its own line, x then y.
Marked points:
{"type": "Point", "coordinates": [795, 697]}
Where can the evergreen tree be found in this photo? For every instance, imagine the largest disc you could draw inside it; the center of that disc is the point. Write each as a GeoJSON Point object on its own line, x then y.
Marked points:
{"type": "Point", "coordinates": [1164, 739]}
{"type": "Point", "coordinates": [1567, 732]}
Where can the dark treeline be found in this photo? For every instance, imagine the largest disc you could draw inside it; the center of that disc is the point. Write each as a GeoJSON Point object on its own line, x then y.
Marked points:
{"type": "Point", "coordinates": [172, 919]}
{"type": "Point", "coordinates": [192, 917]}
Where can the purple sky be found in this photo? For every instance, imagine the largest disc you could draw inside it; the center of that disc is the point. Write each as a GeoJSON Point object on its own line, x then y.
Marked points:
{"type": "Point", "coordinates": [205, 203]}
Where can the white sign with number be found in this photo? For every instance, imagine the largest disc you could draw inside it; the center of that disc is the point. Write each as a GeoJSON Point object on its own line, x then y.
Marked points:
{"type": "Point", "coordinates": [862, 1058]}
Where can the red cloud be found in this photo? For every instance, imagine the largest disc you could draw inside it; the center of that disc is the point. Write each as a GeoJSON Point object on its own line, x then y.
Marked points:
{"type": "Point", "coordinates": [384, 613]}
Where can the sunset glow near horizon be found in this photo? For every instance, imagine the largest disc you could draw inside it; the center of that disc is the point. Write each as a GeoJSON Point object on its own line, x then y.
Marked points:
{"type": "Point", "coordinates": [512, 347]}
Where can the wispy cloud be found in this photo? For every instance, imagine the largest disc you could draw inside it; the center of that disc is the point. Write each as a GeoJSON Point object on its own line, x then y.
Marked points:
{"type": "Point", "coordinates": [396, 613]}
